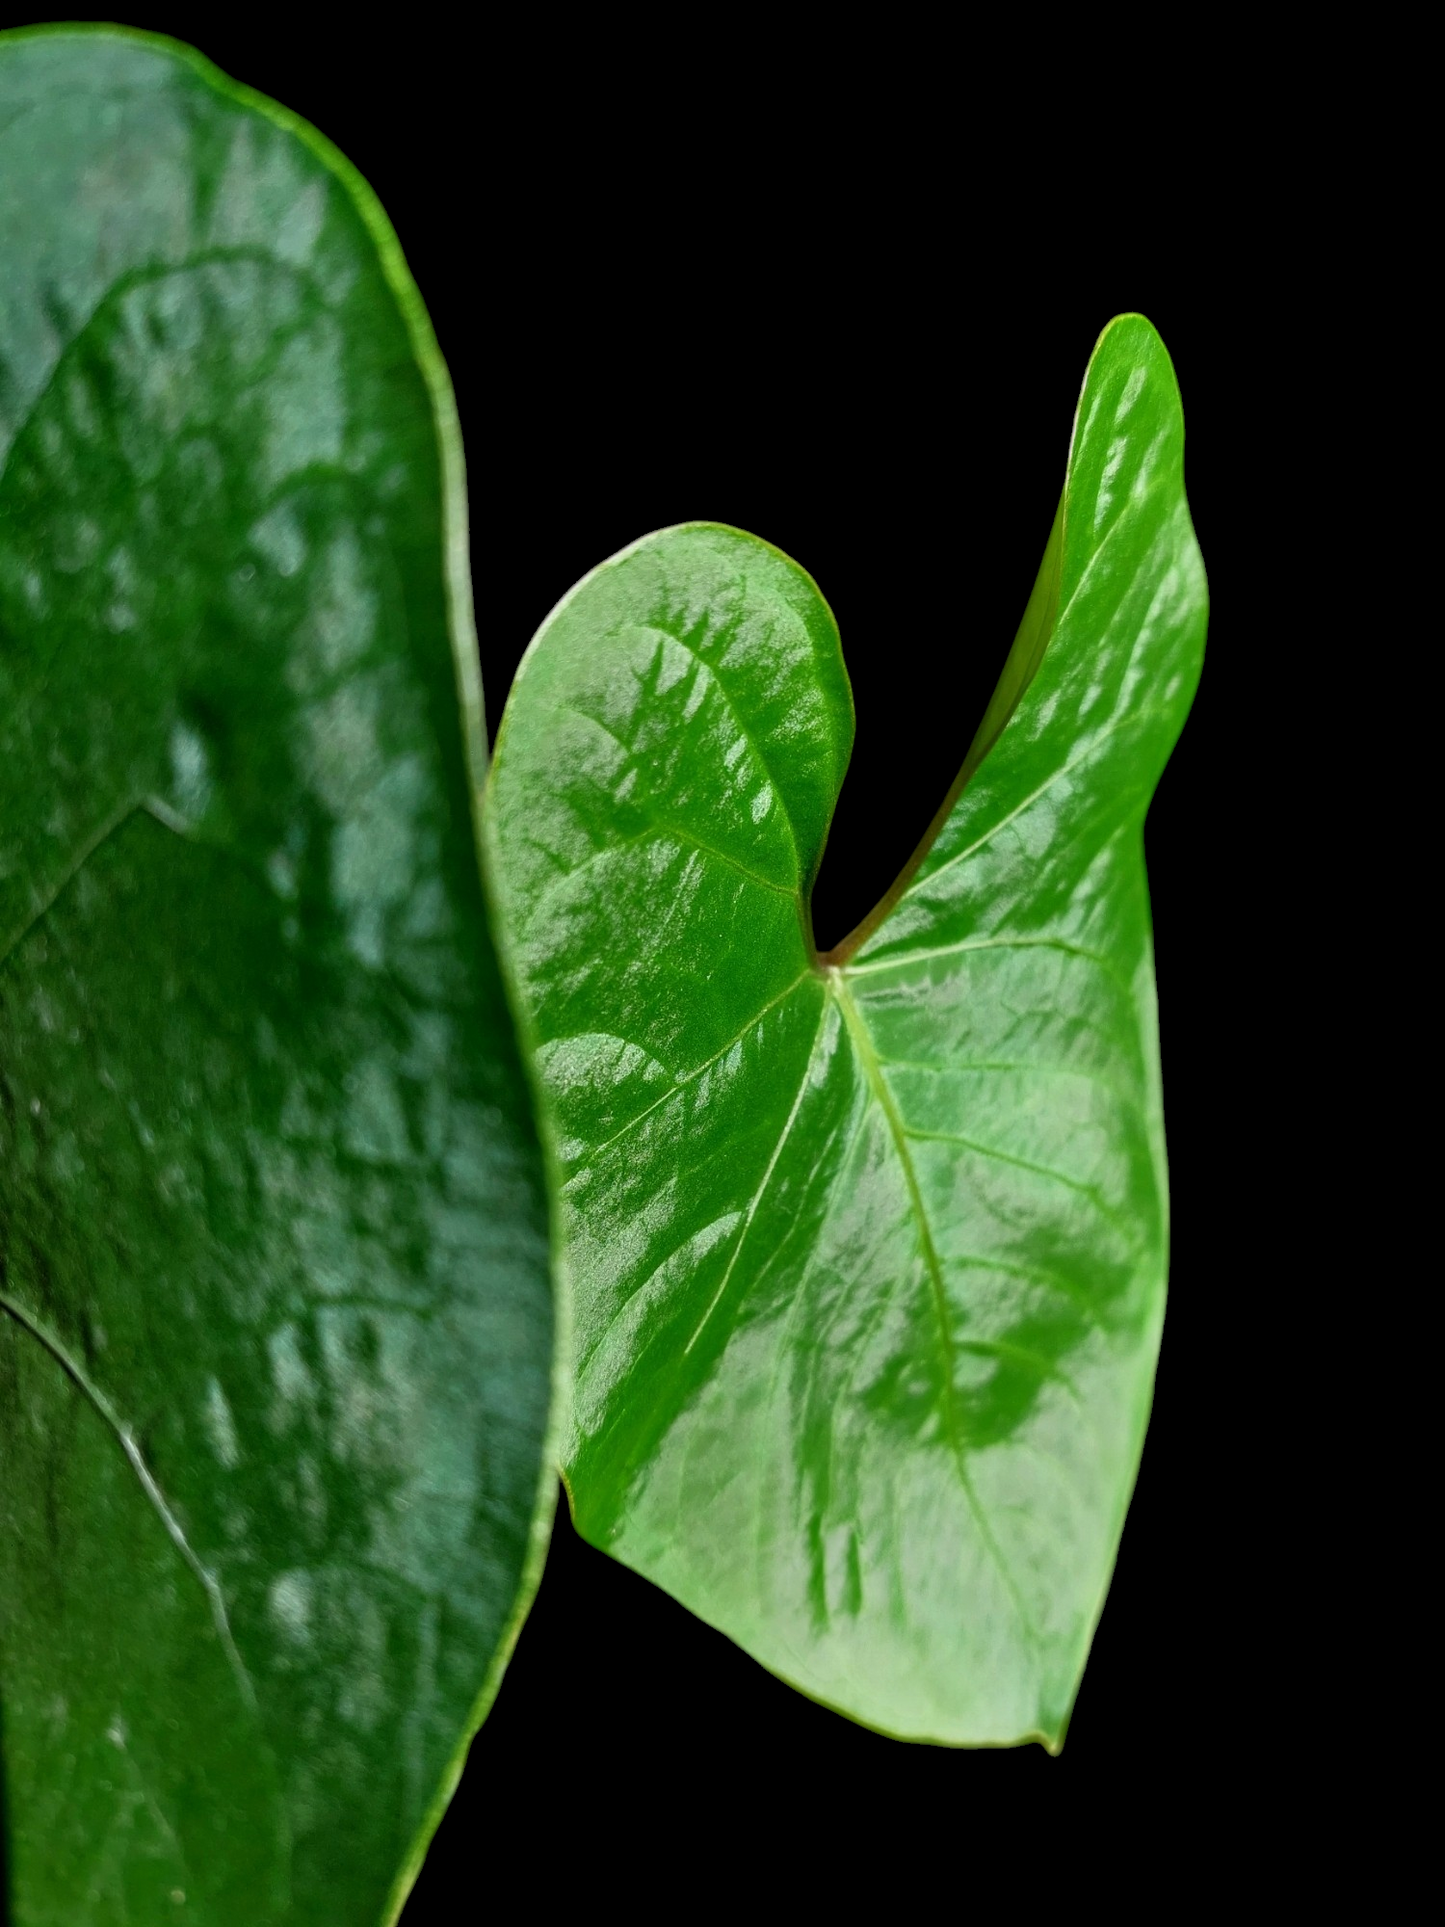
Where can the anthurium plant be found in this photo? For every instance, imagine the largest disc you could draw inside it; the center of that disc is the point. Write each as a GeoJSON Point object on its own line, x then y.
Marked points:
{"type": "Point", "coordinates": [868, 1248]}
{"type": "Point", "coordinates": [378, 1133]}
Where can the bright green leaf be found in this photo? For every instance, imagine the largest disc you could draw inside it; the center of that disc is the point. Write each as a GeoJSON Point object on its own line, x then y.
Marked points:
{"type": "Point", "coordinates": [275, 1349]}
{"type": "Point", "coordinates": [869, 1250]}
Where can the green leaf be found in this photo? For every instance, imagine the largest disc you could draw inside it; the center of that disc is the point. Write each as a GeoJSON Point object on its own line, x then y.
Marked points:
{"type": "Point", "coordinates": [869, 1249]}
{"type": "Point", "coordinates": [275, 1354]}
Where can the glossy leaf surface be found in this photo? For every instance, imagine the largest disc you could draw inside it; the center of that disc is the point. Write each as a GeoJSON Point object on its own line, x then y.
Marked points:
{"type": "Point", "coordinates": [275, 1352]}
{"type": "Point", "coordinates": [869, 1251]}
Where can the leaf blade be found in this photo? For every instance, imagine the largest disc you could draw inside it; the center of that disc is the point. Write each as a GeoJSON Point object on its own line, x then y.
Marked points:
{"type": "Point", "coordinates": [868, 1302]}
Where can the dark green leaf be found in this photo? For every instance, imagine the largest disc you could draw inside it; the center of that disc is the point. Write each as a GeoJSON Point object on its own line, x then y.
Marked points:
{"type": "Point", "coordinates": [869, 1250]}
{"type": "Point", "coordinates": [275, 1353]}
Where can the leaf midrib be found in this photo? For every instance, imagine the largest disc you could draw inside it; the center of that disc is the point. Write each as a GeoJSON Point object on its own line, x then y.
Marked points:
{"type": "Point", "coordinates": [109, 826]}
{"type": "Point", "coordinates": [835, 985]}
{"type": "Point", "coordinates": [150, 1486]}
{"type": "Point", "coordinates": [883, 1097]}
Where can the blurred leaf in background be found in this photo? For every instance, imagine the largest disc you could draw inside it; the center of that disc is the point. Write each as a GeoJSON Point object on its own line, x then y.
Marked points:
{"type": "Point", "coordinates": [276, 1337]}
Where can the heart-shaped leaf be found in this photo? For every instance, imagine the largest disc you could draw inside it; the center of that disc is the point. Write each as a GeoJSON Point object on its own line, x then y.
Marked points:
{"type": "Point", "coordinates": [868, 1249]}
{"type": "Point", "coordinates": [275, 1352]}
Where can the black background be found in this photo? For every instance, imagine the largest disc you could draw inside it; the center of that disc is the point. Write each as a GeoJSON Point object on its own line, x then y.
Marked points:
{"type": "Point", "coordinates": [859, 330]}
